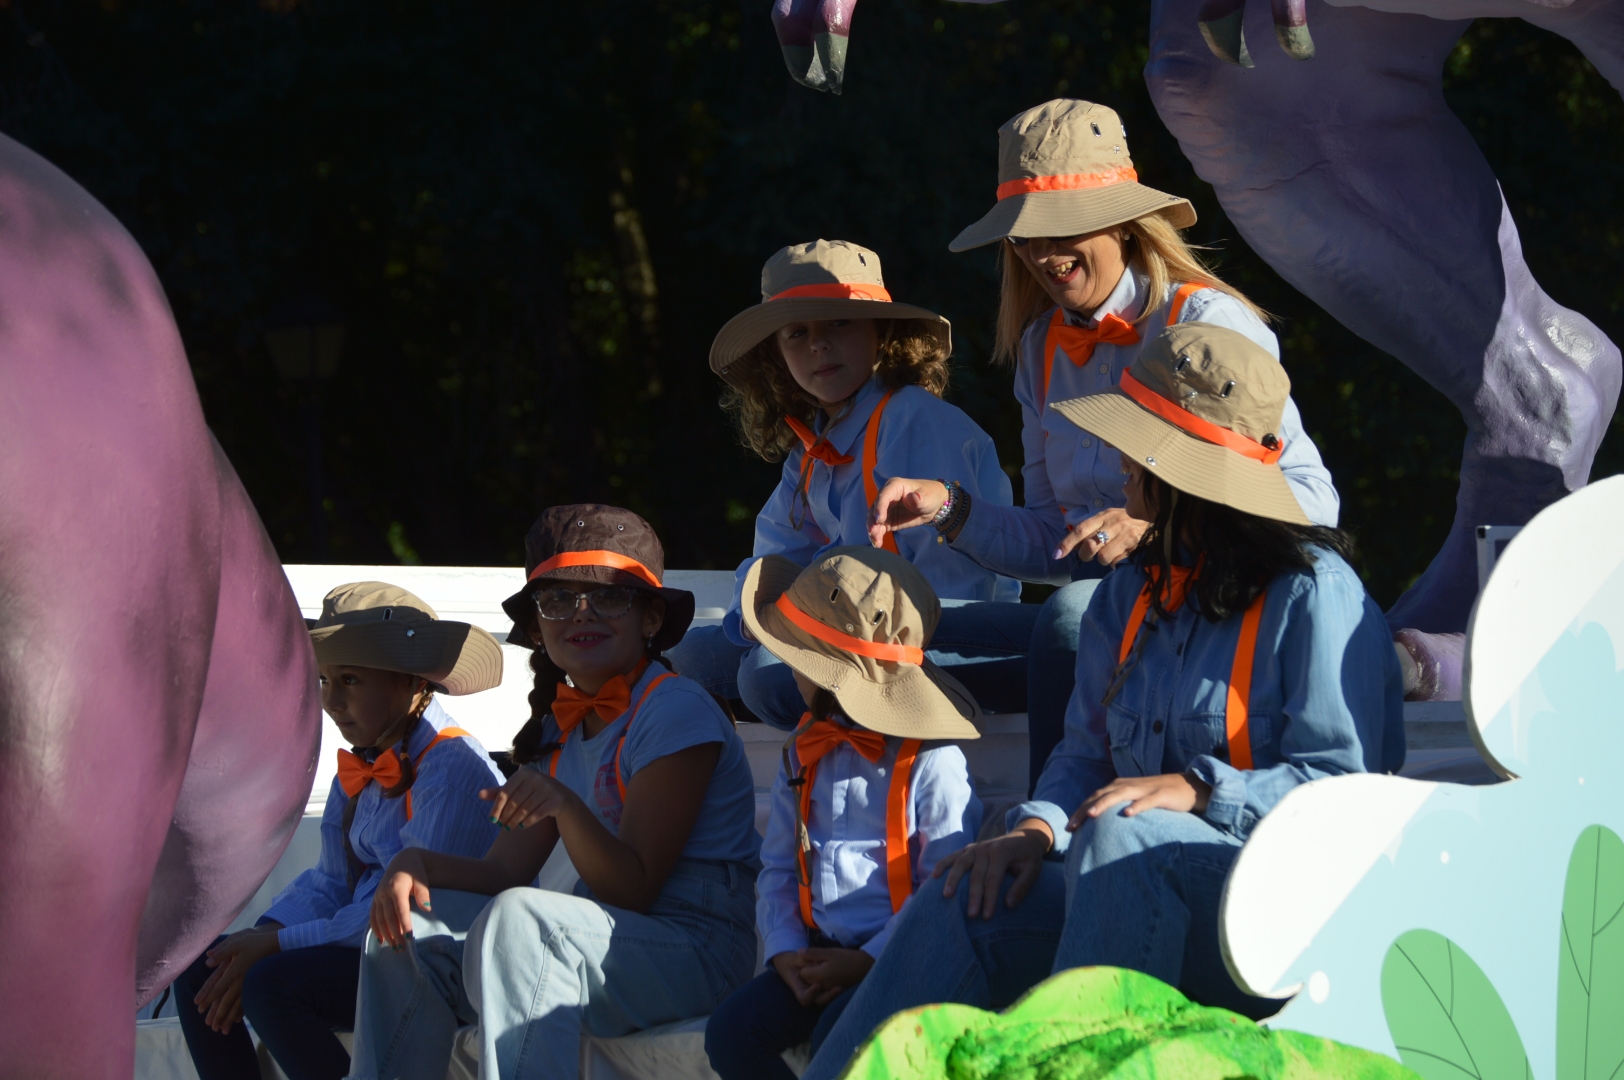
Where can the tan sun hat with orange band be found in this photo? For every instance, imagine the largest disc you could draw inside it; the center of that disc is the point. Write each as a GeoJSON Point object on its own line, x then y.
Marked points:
{"type": "Point", "coordinates": [1200, 407]}
{"type": "Point", "coordinates": [1064, 170]}
{"type": "Point", "coordinates": [826, 279]}
{"type": "Point", "coordinates": [856, 622]}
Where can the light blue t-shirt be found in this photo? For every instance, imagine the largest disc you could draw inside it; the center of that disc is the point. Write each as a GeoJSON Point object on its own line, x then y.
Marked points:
{"type": "Point", "coordinates": [676, 715]}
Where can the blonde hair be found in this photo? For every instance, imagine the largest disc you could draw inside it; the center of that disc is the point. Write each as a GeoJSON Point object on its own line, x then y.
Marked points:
{"type": "Point", "coordinates": [761, 391]}
{"type": "Point", "coordinates": [1155, 249]}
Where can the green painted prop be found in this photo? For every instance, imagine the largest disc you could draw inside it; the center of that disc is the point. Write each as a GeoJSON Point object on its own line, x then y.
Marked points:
{"type": "Point", "coordinates": [1103, 1024]}
{"type": "Point", "coordinates": [1590, 978]}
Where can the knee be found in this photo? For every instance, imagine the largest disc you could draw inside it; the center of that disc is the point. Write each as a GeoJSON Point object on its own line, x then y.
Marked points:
{"type": "Point", "coordinates": [1111, 836]}
{"type": "Point", "coordinates": [767, 689]}
{"type": "Point", "coordinates": [261, 987]}
{"type": "Point", "coordinates": [1060, 620]}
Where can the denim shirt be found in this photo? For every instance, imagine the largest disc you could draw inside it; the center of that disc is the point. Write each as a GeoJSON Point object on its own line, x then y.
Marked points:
{"type": "Point", "coordinates": [1326, 699]}
{"type": "Point", "coordinates": [1070, 475]}
{"type": "Point", "coordinates": [920, 436]}
{"type": "Point", "coordinates": [851, 894]}
{"type": "Point", "coordinates": [319, 907]}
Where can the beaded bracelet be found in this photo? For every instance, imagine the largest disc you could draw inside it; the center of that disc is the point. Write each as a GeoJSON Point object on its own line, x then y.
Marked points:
{"type": "Point", "coordinates": [954, 510]}
{"type": "Point", "coordinates": [945, 511]}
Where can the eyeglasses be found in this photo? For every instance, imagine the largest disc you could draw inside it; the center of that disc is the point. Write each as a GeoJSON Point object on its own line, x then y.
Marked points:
{"type": "Point", "coordinates": [1022, 241]}
{"type": "Point", "coordinates": [609, 602]}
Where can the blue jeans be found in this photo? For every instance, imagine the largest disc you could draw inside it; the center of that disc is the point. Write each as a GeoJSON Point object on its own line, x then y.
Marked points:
{"type": "Point", "coordinates": [1051, 666]}
{"type": "Point", "coordinates": [536, 968]}
{"type": "Point", "coordinates": [295, 1000]}
{"type": "Point", "coordinates": [982, 645]}
{"type": "Point", "coordinates": [1140, 892]}
{"type": "Point", "coordinates": [748, 1033]}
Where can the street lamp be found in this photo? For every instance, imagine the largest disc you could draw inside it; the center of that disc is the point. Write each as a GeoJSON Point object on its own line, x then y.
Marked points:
{"type": "Point", "coordinates": [306, 341]}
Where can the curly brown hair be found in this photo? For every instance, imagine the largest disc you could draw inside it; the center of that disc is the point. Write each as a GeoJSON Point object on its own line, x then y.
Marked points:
{"type": "Point", "coordinates": [761, 391]}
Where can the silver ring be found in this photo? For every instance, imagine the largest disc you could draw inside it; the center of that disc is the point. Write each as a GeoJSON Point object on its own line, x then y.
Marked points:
{"type": "Point", "coordinates": [1101, 537]}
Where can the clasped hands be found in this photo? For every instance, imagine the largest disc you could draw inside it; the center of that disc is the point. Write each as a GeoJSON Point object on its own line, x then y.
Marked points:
{"type": "Point", "coordinates": [1020, 851]}
{"type": "Point", "coordinates": [905, 504]}
{"type": "Point", "coordinates": [818, 976]}
{"type": "Point", "coordinates": [528, 798]}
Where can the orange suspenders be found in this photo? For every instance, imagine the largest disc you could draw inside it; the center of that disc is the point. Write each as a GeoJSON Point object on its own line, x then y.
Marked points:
{"type": "Point", "coordinates": [1174, 310]}
{"type": "Point", "coordinates": [447, 733]}
{"type": "Point", "coordinates": [871, 462]}
{"type": "Point", "coordinates": [1236, 726]}
{"type": "Point", "coordinates": [898, 866]}
{"type": "Point", "coordinates": [552, 766]}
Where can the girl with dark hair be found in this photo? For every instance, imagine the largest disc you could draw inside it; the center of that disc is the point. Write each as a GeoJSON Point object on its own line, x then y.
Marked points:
{"type": "Point", "coordinates": [638, 773]}
{"type": "Point", "coordinates": [1237, 657]}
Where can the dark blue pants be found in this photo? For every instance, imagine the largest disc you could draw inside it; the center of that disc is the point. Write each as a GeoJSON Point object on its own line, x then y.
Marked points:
{"type": "Point", "coordinates": [758, 1022]}
{"type": "Point", "coordinates": [295, 1000]}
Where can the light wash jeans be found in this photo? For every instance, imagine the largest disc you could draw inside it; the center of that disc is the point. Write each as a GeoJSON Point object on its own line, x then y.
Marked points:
{"type": "Point", "coordinates": [1139, 892]}
{"type": "Point", "coordinates": [1051, 667]}
{"type": "Point", "coordinates": [535, 968]}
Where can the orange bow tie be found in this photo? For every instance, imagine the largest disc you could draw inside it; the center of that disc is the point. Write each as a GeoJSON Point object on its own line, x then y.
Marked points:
{"type": "Point", "coordinates": [1178, 584]}
{"type": "Point", "coordinates": [816, 741]}
{"type": "Point", "coordinates": [1079, 341]}
{"type": "Point", "coordinates": [571, 705]}
{"type": "Point", "coordinates": [355, 772]}
{"type": "Point", "coordinates": [817, 447]}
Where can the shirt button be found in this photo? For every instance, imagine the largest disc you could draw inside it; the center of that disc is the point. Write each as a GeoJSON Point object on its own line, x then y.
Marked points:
{"type": "Point", "coordinates": [1156, 727]}
{"type": "Point", "coordinates": [1088, 442]}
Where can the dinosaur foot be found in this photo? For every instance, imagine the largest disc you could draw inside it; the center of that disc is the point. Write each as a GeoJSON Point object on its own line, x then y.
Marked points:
{"type": "Point", "coordinates": [814, 35]}
{"type": "Point", "coordinates": [1226, 38]}
{"type": "Point", "coordinates": [1432, 664]}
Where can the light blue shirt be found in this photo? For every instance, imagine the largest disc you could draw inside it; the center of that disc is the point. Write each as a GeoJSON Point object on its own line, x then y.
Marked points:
{"type": "Point", "coordinates": [1070, 475]}
{"type": "Point", "coordinates": [920, 436]}
{"type": "Point", "coordinates": [851, 893]}
{"type": "Point", "coordinates": [676, 715]}
{"type": "Point", "coordinates": [319, 907]}
{"type": "Point", "coordinates": [1327, 698]}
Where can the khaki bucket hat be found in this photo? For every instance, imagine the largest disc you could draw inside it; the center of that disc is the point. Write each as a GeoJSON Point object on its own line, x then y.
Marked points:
{"type": "Point", "coordinates": [373, 624]}
{"type": "Point", "coordinates": [1064, 170]}
{"type": "Point", "coordinates": [856, 623]}
{"type": "Point", "coordinates": [826, 279]}
{"type": "Point", "coordinates": [1200, 407]}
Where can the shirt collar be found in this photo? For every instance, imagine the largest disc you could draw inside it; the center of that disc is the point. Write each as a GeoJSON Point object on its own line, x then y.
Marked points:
{"type": "Point", "coordinates": [1124, 302]}
{"type": "Point", "coordinates": [843, 435]}
{"type": "Point", "coordinates": [435, 719]}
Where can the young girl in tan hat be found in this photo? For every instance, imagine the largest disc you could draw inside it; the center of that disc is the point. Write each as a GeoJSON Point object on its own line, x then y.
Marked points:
{"type": "Point", "coordinates": [864, 807]}
{"type": "Point", "coordinates": [1094, 266]}
{"type": "Point", "coordinates": [641, 777]}
{"type": "Point", "coordinates": [411, 781]}
{"type": "Point", "coordinates": [1236, 657]}
{"type": "Point", "coordinates": [844, 384]}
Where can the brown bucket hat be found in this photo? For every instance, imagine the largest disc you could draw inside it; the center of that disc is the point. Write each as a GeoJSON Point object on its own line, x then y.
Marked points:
{"type": "Point", "coordinates": [826, 279]}
{"type": "Point", "coordinates": [1200, 407]}
{"type": "Point", "coordinates": [1064, 170]}
{"type": "Point", "coordinates": [373, 624]}
{"type": "Point", "coordinates": [856, 622]}
{"type": "Point", "coordinates": [605, 544]}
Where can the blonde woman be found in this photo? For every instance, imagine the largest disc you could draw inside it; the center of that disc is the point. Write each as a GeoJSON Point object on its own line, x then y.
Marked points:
{"type": "Point", "coordinates": [1094, 267]}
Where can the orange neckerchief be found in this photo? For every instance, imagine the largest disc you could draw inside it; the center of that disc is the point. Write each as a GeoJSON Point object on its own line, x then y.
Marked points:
{"type": "Point", "coordinates": [571, 705]}
{"type": "Point", "coordinates": [818, 739]}
{"type": "Point", "coordinates": [355, 772]}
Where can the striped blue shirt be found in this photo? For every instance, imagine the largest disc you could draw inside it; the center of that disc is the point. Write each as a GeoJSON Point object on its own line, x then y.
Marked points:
{"type": "Point", "coordinates": [319, 907]}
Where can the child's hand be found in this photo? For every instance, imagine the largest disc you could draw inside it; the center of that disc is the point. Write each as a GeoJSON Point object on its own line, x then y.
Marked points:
{"type": "Point", "coordinates": [833, 971]}
{"type": "Point", "coordinates": [392, 903]}
{"type": "Point", "coordinates": [529, 797]}
{"type": "Point", "coordinates": [788, 965]}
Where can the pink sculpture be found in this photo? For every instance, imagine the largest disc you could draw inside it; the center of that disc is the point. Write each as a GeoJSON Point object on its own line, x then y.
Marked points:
{"type": "Point", "coordinates": [1352, 178]}
{"type": "Point", "coordinates": [159, 717]}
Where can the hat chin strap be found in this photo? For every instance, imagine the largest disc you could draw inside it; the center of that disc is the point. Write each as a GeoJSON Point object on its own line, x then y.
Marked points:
{"type": "Point", "coordinates": [1167, 538]}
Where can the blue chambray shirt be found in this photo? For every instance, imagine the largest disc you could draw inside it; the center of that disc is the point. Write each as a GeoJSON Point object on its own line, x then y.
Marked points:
{"type": "Point", "coordinates": [448, 815]}
{"type": "Point", "coordinates": [851, 894]}
{"type": "Point", "coordinates": [920, 436]}
{"type": "Point", "coordinates": [1070, 475]}
{"type": "Point", "coordinates": [1327, 698]}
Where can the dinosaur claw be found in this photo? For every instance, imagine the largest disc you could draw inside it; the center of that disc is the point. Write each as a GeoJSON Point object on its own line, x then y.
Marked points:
{"type": "Point", "coordinates": [1227, 39]}
{"type": "Point", "coordinates": [1295, 41]}
{"type": "Point", "coordinates": [814, 35]}
{"type": "Point", "coordinates": [820, 65]}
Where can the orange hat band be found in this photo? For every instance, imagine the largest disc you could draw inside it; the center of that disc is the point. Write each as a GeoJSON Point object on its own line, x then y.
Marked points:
{"type": "Point", "coordinates": [612, 559]}
{"type": "Point", "coordinates": [1201, 429]}
{"type": "Point", "coordinates": [1120, 174]}
{"type": "Point", "coordinates": [878, 650]}
{"type": "Point", "coordinates": [836, 290]}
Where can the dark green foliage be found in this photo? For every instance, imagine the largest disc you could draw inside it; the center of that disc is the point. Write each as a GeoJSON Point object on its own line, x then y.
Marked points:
{"type": "Point", "coordinates": [486, 193]}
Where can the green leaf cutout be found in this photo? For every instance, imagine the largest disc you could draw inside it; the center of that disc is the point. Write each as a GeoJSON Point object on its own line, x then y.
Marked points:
{"type": "Point", "coordinates": [1590, 978]}
{"type": "Point", "coordinates": [1444, 1015]}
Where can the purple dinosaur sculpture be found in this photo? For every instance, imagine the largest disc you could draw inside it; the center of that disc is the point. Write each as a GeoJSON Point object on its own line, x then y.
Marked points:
{"type": "Point", "coordinates": [159, 718]}
{"type": "Point", "coordinates": [1356, 183]}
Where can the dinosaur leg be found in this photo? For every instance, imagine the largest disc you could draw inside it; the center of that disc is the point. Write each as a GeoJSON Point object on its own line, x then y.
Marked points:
{"type": "Point", "coordinates": [813, 35]}
{"type": "Point", "coordinates": [1352, 178]}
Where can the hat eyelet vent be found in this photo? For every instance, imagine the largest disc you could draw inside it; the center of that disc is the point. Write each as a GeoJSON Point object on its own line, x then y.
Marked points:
{"type": "Point", "coordinates": [850, 629]}
{"type": "Point", "coordinates": [580, 524]}
{"type": "Point", "coordinates": [388, 613]}
{"type": "Point", "coordinates": [620, 528]}
{"type": "Point", "coordinates": [1228, 386]}
{"type": "Point", "coordinates": [411, 633]}
{"type": "Point", "coordinates": [1096, 128]}
{"type": "Point", "coordinates": [1150, 460]}
{"type": "Point", "coordinates": [1184, 362]}
{"type": "Point", "coordinates": [834, 595]}
{"type": "Point", "coordinates": [862, 259]}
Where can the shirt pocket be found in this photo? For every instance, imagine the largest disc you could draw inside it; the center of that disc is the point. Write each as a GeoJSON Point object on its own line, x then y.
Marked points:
{"type": "Point", "coordinates": [1122, 730]}
{"type": "Point", "coordinates": [1193, 735]}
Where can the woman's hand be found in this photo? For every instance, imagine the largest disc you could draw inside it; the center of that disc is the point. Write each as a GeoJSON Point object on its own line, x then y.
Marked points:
{"type": "Point", "coordinates": [1019, 852]}
{"type": "Point", "coordinates": [403, 882]}
{"type": "Point", "coordinates": [832, 971]}
{"type": "Point", "coordinates": [1170, 791]}
{"type": "Point", "coordinates": [219, 999]}
{"type": "Point", "coordinates": [530, 796]}
{"type": "Point", "coordinates": [1122, 532]}
{"type": "Point", "coordinates": [903, 504]}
